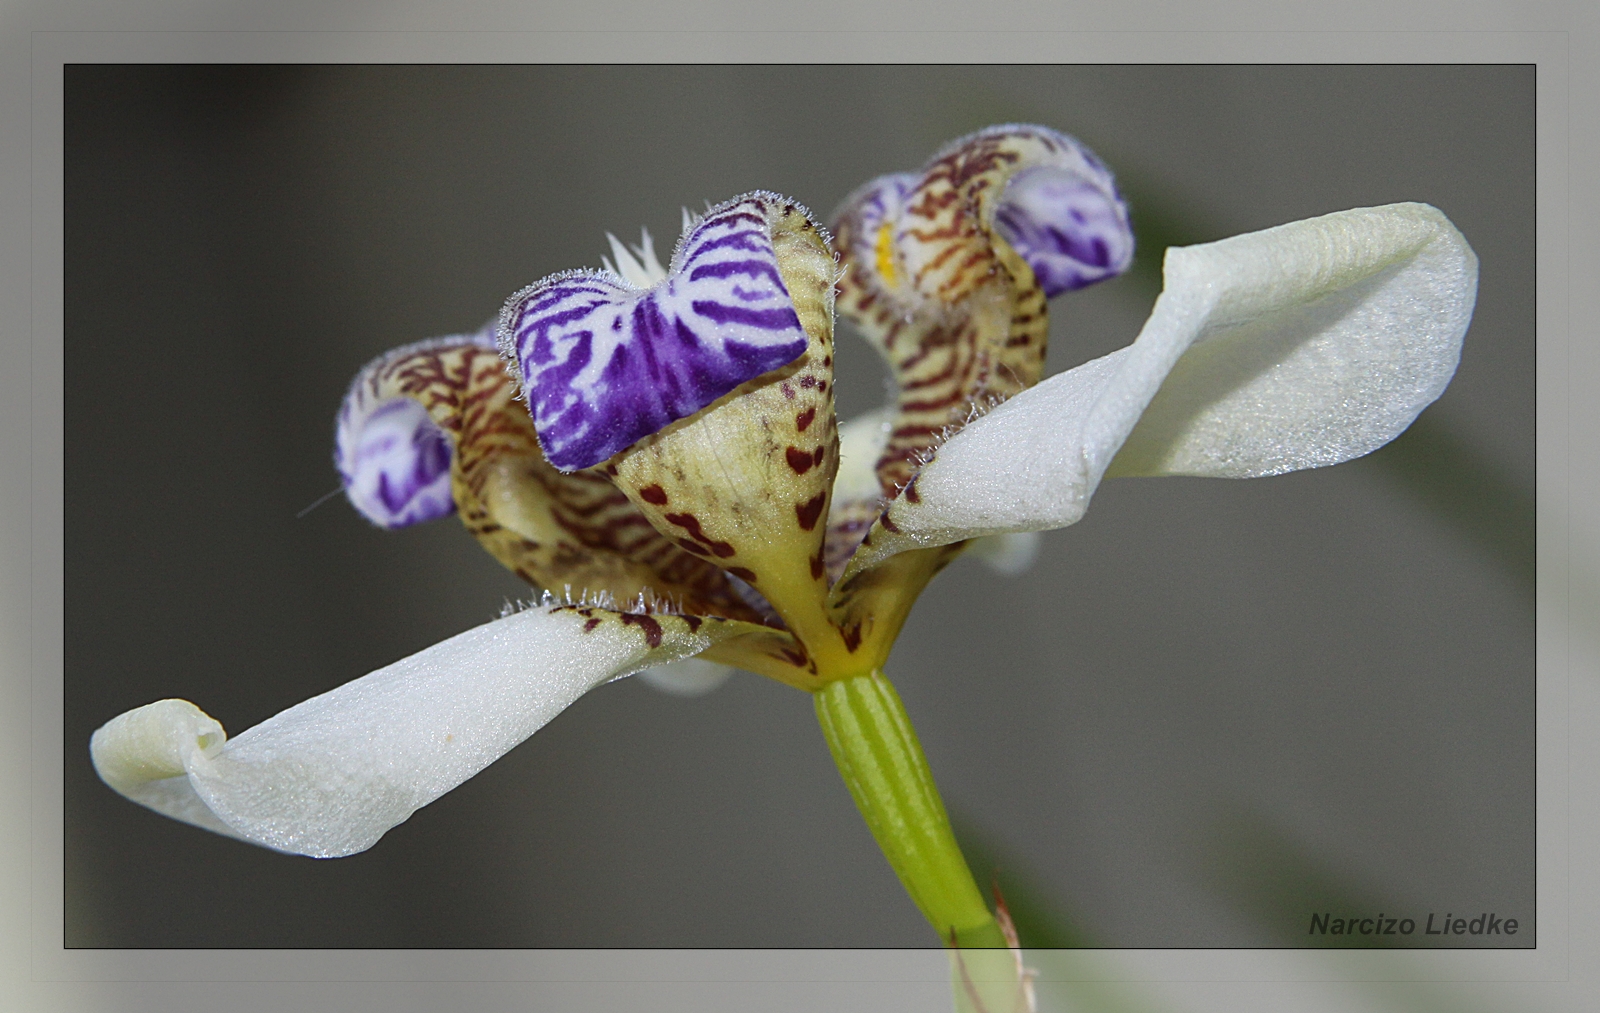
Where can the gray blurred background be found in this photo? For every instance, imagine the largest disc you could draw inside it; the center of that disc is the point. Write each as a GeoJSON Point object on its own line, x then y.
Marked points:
{"type": "Point", "coordinates": [1211, 709]}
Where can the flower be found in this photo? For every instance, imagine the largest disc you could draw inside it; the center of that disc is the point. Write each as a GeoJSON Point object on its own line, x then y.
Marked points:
{"type": "Point", "coordinates": [656, 447]}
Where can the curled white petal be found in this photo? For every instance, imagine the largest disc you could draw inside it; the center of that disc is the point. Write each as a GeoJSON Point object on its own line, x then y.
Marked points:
{"type": "Point", "coordinates": [330, 776]}
{"type": "Point", "coordinates": [1296, 347]}
{"type": "Point", "coordinates": [689, 677]}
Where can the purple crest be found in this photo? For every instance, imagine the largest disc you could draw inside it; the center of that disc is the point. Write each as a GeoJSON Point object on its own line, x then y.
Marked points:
{"type": "Point", "coordinates": [1067, 221]}
{"type": "Point", "coordinates": [604, 364]}
{"type": "Point", "coordinates": [393, 459]}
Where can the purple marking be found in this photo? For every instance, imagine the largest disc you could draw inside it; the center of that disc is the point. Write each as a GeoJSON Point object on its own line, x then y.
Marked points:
{"type": "Point", "coordinates": [604, 365]}
{"type": "Point", "coordinates": [754, 242]}
{"type": "Point", "coordinates": [1071, 226]}
{"type": "Point", "coordinates": [1061, 212]}
{"type": "Point", "coordinates": [393, 460]}
{"type": "Point", "coordinates": [729, 268]}
{"type": "Point", "coordinates": [768, 320]}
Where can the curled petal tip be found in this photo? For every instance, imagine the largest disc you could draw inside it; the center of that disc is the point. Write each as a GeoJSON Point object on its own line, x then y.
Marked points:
{"type": "Point", "coordinates": [153, 743]}
{"type": "Point", "coordinates": [1042, 193]}
{"type": "Point", "coordinates": [1071, 226]}
{"type": "Point", "coordinates": [392, 458]}
{"type": "Point", "coordinates": [395, 465]}
{"type": "Point", "coordinates": [329, 776]}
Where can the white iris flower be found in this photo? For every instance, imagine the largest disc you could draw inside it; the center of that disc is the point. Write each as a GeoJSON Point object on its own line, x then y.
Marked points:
{"type": "Point", "coordinates": [1296, 347]}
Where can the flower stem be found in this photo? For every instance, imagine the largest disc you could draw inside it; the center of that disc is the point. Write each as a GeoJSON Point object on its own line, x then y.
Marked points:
{"type": "Point", "coordinates": [872, 741]}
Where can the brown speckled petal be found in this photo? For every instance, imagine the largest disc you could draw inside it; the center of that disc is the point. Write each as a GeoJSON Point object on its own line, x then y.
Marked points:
{"type": "Point", "coordinates": [933, 283]}
{"type": "Point", "coordinates": [556, 531]}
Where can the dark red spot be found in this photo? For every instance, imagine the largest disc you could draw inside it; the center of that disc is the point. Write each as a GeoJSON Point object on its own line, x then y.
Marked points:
{"type": "Point", "coordinates": [911, 493]}
{"type": "Point", "coordinates": [693, 622]}
{"type": "Point", "coordinates": [796, 655]}
{"type": "Point", "coordinates": [827, 360]}
{"type": "Point", "coordinates": [888, 524]}
{"type": "Point", "coordinates": [611, 469]}
{"type": "Point", "coordinates": [788, 391]}
{"type": "Point", "coordinates": [653, 494]}
{"type": "Point", "coordinates": [809, 511]}
{"type": "Point", "coordinates": [852, 638]}
{"type": "Point", "coordinates": [586, 612]}
{"type": "Point", "coordinates": [589, 626]}
{"type": "Point", "coordinates": [799, 460]}
{"type": "Point", "coordinates": [748, 576]}
{"type": "Point", "coordinates": [693, 546]}
{"type": "Point", "coordinates": [808, 381]}
{"type": "Point", "coordinates": [817, 456]}
{"type": "Point", "coordinates": [651, 628]}
{"type": "Point", "coordinates": [816, 567]}
{"type": "Point", "coordinates": [804, 419]}
{"type": "Point", "coordinates": [691, 523]}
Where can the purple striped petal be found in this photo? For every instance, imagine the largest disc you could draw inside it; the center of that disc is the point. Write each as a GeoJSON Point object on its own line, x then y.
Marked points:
{"type": "Point", "coordinates": [393, 459]}
{"type": "Point", "coordinates": [1067, 221]}
{"type": "Point", "coordinates": [604, 364]}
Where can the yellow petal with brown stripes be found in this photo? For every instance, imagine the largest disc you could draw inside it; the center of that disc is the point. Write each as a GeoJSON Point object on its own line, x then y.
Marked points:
{"type": "Point", "coordinates": [745, 483]}
{"type": "Point", "coordinates": [554, 530]}
{"type": "Point", "coordinates": [943, 273]}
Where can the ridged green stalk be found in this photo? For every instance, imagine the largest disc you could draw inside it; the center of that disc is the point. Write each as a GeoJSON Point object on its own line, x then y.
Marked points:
{"type": "Point", "coordinates": [876, 748]}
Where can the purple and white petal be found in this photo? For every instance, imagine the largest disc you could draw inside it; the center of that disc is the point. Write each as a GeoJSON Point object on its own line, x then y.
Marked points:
{"type": "Point", "coordinates": [393, 460]}
{"type": "Point", "coordinates": [604, 364]}
{"type": "Point", "coordinates": [1038, 190]}
{"type": "Point", "coordinates": [1067, 221]}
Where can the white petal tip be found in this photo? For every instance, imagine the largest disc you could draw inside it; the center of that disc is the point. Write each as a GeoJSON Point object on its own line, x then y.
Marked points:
{"type": "Point", "coordinates": [153, 743]}
{"type": "Point", "coordinates": [690, 677]}
{"type": "Point", "coordinates": [1299, 346]}
{"type": "Point", "coordinates": [1009, 554]}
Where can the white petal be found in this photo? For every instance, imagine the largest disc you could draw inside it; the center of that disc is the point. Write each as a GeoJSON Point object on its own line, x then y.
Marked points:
{"type": "Point", "coordinates": [1009, 554]}
{"type": "Point", "coordinates": [861, 443]}
{"type": "Point", "coordinates": [689, 677]}
{"type": "Point", "coordinates": [1309, 369]}
{"type": "Point", "coordinates": [1295, 347]}
{"type": "Point", "coordinates": [330, 776]}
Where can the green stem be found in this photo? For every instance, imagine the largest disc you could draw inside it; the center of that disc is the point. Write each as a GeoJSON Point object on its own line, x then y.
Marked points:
{"type": "Point", "coordinates": [872, 741]}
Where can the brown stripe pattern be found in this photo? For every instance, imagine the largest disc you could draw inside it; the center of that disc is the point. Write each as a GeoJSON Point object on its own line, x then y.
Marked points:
{"type": "Point", "coordinates": [553, 530]}
{"type": "Point", "coordinates": [955, 311]}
